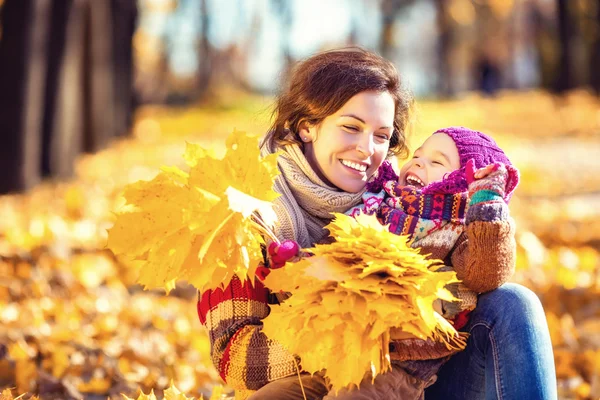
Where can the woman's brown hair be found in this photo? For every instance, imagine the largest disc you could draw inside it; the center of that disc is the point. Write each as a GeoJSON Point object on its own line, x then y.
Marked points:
{"type": "Point", "coordinates": [320, 85]}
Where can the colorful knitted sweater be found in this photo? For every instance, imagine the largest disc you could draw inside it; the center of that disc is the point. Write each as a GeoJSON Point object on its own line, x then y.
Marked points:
{"type": "Point", "coordinates": [483, 256]}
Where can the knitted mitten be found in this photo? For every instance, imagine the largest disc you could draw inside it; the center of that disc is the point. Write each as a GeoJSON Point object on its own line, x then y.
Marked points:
{"type": "Point", "coordinates": [278, 254]}
{"type": "Point", "coordinates": [489, 195]}
{"type": "Point", "coordinates": [500, 183]}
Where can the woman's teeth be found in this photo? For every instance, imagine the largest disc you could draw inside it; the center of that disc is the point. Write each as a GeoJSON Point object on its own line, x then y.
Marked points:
{"type": "Point", "coordinates": [415, 181]}
{"type": "Point", "coordinates": [353, 165]}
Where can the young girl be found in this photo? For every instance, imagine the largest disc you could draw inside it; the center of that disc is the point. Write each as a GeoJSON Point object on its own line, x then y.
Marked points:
{"type": "Point", "coordinates": [341, 115]}
{"type": "Point", "coordinates": [451, 200]}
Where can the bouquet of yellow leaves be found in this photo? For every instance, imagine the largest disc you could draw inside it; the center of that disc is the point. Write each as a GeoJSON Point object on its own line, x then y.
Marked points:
{"type": "Point", "coordinates": [350, 294]}
{"type": "Point", "coordinates": [203, 226]}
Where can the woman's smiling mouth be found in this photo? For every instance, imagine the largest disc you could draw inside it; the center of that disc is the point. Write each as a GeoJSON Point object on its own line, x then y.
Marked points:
{"type": "Point", "coordinates": [359, 167]}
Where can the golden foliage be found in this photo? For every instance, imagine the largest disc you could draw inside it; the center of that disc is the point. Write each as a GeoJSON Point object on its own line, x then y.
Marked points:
{"type": "Point", "coordinates": [350, 294]}
{"type": "Point", "coordinates": [197, 225]}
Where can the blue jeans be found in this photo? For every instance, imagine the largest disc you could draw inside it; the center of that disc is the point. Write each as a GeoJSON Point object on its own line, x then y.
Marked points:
{"type": "Point", "coordinates": [508, 355]}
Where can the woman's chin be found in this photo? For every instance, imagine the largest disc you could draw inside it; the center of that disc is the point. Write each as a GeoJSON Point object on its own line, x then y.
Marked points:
{"type": "Point", "coordinates": [351, 187]}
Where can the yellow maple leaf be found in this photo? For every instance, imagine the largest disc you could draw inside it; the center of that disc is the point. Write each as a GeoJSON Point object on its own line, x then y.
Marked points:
{"type": "Point", "coordinates": [200, 225]}
{"type": "Point", "coordinates": [349, 296]}
{"type": "Point", "coordinates": [143, 396]}
{"type": "Point", "coordinates": [171, 393]}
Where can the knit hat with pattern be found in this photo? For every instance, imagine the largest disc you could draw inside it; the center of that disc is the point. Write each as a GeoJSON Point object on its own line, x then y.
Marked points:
{"type": "Point", "coordinates": [476, 145]}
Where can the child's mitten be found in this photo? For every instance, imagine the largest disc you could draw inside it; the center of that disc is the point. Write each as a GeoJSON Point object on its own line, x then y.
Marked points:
{"type": "Point", "coordinates": [493, 182]}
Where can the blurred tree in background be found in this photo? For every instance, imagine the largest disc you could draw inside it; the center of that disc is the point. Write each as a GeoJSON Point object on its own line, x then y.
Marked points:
{"type": "Point", "coordinates": [66, 84]}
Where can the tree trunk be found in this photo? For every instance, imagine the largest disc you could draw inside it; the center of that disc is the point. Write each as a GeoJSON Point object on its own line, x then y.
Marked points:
{"type": "Point", "coordinates": [98, 69]}
{"type": "Point", "coordinates": [67, 131]}
{"type": "Point", "coordinates": [22, 83]}
{"type": "Point", "coordinates": [124, 15]}
{"type": "Point", "coordinates": [205, 53]}
{"type": "Point", "coordinates": [386, 41]}
{"type": "Point", "coordinates": [444, 84]}
{"type": "Point", "coordinates": [56, 50]}
{"type": "Point", "coordinates": [595, 54]}
{"type": "Point", "coordinates": [564, 79]}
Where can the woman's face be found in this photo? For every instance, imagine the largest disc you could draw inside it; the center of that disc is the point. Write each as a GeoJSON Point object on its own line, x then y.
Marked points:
{"type": "Point", "coordinates": [348, 147]}
{"type": "Point", "coordinates": [436, 157]}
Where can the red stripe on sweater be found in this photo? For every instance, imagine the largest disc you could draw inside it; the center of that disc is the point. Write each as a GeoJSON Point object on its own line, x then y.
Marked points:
{"type": "Point", "coordinates": [235, 290]}
{"type": "Point", "coordinates": [224, 364]}
{"type": "Point", "coordinates": [201, 312]}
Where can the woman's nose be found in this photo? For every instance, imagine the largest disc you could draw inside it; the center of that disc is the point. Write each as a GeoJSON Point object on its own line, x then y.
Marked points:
{"type": "Point", "coordinates": [366, 145]}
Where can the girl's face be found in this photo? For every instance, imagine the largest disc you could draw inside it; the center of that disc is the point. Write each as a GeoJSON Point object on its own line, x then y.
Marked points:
{"type": "Point", "coordinates": [348, 147]}
{"type": "Point", "coordinates": [436, 157]}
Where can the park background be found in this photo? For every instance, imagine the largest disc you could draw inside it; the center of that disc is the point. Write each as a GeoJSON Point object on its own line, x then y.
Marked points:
{"type": "Point", "coordinates": [96, 94]}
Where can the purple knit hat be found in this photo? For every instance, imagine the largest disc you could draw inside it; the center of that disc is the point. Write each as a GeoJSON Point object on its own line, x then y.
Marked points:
{"type": "Point", "coordinates": [476, 145]}
{"type": "Point", "coordinates": [483, 150]}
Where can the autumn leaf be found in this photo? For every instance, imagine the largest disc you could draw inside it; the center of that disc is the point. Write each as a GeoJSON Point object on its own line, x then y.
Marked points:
{"type": "Point", "coordinates": [199, 226]}
{"type": "Point", "coordinates": [350, 294]}
{"type": "Point", "coordinates": [172, 393]}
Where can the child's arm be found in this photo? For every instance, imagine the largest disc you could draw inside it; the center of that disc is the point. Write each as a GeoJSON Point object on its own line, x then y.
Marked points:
{"type": "Point", "coordinates": [484, 256]}
{"type": "Point", "coordinates": [244, 357]}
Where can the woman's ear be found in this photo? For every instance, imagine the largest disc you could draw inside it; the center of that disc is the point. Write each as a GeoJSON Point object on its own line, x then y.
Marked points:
{"type": "Point", "coordinates": [306, 132]}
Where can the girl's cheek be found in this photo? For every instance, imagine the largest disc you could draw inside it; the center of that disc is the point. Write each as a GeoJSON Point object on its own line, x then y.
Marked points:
{"type": "Point", "coordinates": [406, 167]}
{"type": "Point", "coordinates": [403, 172]}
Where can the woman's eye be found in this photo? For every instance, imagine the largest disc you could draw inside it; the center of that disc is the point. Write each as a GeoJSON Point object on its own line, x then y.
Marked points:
{"type": "Point", "coordinates": [351, 128]}
{"type": "Point", "coordinates": [383, 137]}
{"type": "Point", "coordinates": [438, 163]}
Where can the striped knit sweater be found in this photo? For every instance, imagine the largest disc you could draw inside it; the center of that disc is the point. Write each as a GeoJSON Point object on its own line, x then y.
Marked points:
{"type": "Point", "coordinates": [483, 257]}
{"type": "Point", "coordinates": [244, 357]}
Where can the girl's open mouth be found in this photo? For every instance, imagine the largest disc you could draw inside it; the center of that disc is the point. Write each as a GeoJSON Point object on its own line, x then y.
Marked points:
{"type": "Point", "coordinates": [413, 180]}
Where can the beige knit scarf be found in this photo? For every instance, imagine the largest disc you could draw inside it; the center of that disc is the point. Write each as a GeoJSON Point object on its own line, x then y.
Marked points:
{"type": "Point", "coordinates": [306, 202]}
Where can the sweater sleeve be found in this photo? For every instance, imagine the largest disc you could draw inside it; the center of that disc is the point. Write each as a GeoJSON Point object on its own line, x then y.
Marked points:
{"type": "Point", "coordinates": [243, 355]}
{"type": "Point", "coordinates": [484, 256]}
